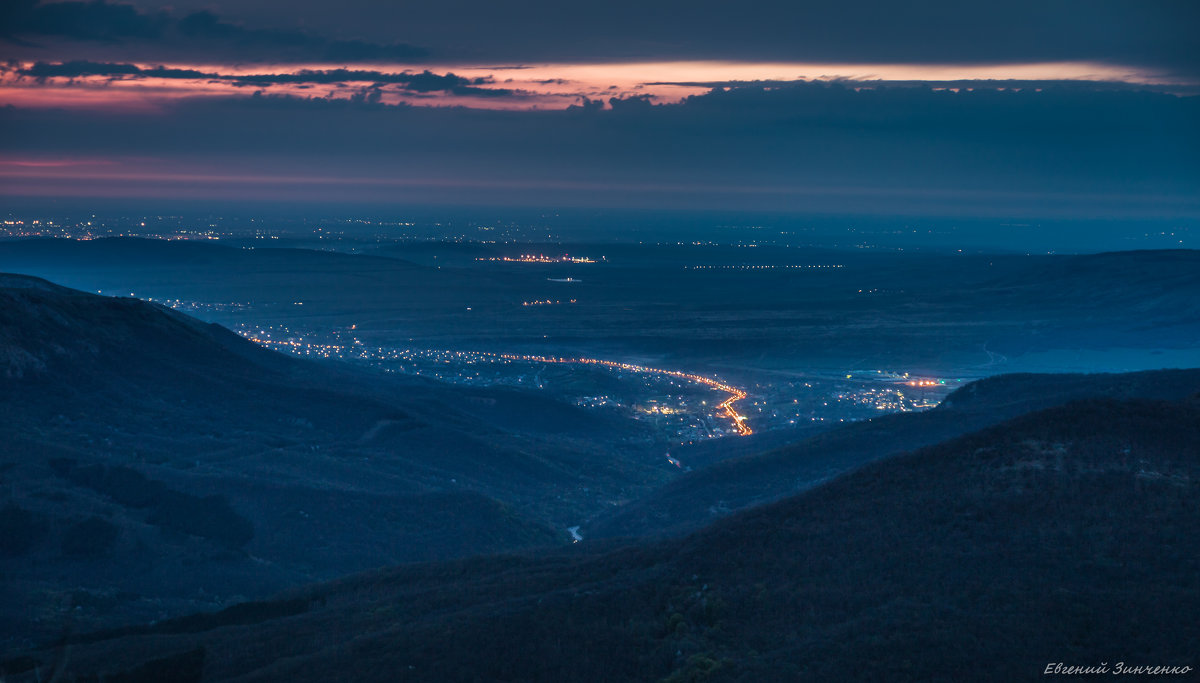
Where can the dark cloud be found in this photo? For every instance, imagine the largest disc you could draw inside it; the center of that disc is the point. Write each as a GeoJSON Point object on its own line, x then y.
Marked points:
{"type": "Point", "coordinates": [1152, 33]}
{"type": "Point", "coordinates": [207, 26]}
{"type": "Point", "coordinates": [430, 82]}
{"type": "Point", "coordinates": [79, 68]}
{"type": "Point", "coordinates": [626, 104]}
{"type": "Point", "coordinates": [1156, 34]}
{"type": "Point", "coordinates": [586, 104]}
{"type": "Point", "coordinates": [423, 82]}
{"type": "Point", "coordinates": [28, 23]}
{"type": "Point", "coordinates": [472, 91]}
{"type": "Point", "coordinates": [95, 20]}
{"type": "Point", "coordinates": [348, 51]}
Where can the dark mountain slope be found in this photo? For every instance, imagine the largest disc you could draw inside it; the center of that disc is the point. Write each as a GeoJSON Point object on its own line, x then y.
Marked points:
{"type": "Point", "coordinates": [43, 326]}
{"type": "Point", "coordinates": [697, 498]}
{"type": "Point", "coordinates": [125, 373]}
{"type": "Point", "coordinates": [1067, 535]}
{"type": "Point", "coordinates": [153, 464]}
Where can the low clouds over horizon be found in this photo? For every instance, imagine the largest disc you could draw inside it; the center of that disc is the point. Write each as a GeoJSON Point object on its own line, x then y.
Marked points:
{"type": "Point", "coordinates": [1084, 107]}
{"type": "Point", "coordinates": [420, 82]}
{"type": "Point", "coordinates": [799, 147]}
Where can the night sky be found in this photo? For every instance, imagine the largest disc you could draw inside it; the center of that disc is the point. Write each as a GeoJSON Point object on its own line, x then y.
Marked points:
{"type": "Point", "coordinates": [1084, 109]}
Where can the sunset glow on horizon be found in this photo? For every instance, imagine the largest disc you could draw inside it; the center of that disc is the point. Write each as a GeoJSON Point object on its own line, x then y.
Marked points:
{"type": "Point", "coordinates": [792, 106]}
{"type": "Point", "coordinates": [132, 86]}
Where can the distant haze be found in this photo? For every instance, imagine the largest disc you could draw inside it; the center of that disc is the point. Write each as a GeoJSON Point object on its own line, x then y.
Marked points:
{"type": "Point", "coordinates": [1058, 111]}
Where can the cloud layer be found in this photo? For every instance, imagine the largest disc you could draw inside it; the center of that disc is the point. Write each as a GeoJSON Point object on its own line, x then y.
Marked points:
{"type": "Point", "coordinates": [422, 82]}
{"type": "Point", "coordinates": [799, 147]}
{"type": "Point", "coordinates": [1157, 34]}
{"type": "Point", "coordinates": [29, 26]}
{"type": "Point", "coordinates": [802, 106]}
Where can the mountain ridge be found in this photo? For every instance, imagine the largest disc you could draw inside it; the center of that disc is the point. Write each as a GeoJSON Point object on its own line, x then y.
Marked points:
{"type": "Point", "coordinates": [696, 498]}
{"type": "Point", "coordinates": [998, 546]}
{"type": "Point", "coordinates": [180, 444]}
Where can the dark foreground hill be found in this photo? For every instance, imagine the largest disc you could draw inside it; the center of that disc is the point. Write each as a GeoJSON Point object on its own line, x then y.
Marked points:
{"type": "Point", "coordinates": [697, 498]}
{"type": "Point", "coordinates": [1067, 535]}
{"type": "Point", "coordinates": [153, 465]}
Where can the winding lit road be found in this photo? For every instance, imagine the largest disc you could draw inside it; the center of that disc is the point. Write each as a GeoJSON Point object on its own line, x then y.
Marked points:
{"type": "Point", "coordinates": [725, 407]}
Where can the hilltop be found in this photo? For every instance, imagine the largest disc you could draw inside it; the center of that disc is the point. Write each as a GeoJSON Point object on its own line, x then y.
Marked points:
{"type": "Point", "coordinates": [155, 464]}
{"type": "Point", "coordinates": [700, 497]}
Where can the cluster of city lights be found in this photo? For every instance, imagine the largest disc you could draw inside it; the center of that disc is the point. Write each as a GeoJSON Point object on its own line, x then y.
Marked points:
{"type": "Point", "coordinates": [537, 258]}
{"type": "Point", "coordinates": [761, 266]}
{"type": "Point", "coordinates": [726, 407]}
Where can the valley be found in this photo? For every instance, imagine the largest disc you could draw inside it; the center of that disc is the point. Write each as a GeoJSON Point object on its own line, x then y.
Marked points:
{"type": "Point", "coordinates": [550, 342]}
{"type": "Point", "coordinates": [210, 426]}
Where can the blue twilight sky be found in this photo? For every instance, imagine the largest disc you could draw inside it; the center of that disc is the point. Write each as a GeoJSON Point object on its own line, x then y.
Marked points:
{"type": "Point", "coordinates": [1056, 109]}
